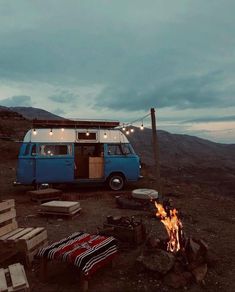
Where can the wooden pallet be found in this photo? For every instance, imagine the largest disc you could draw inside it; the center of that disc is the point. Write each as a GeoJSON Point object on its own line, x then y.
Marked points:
{"type": "Point", "coordinates": [60, 206]}
{"type": "Point", "coordinates": [70, 215]}
{"type": "Point", "coordinates": [26, 240]}
{"type": "Point", "coordinates": [7, 216]}
{"type": "Point", "coordinates": [13, 279]}
{"type": "Point", "coordinates": [45, 195]}
{"type": "Point", "coordinates": [21, 240]}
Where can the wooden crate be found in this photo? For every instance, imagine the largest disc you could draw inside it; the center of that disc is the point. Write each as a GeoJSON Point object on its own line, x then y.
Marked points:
{"type": "Point", "coordinates": [96, 167]}
{"type": "Point", "coordinates": [7, 216]}
{"type": "Point", "coordinates": [26, 241]}
{"type": "Point", "coordinates": [13, 279]}
{"type": "Point", "coordinates": [21, 240]}
{"type": "Point", "coordinates": [133, 236]}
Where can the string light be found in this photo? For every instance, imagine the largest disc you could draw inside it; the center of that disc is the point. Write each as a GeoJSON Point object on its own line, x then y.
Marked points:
{"type": "Point", "coordinates": [87, 133]}
{"type": "Point", "coordinates": [62, 129]}
{"type": "Point", "coordinates": [142, 126]}
{"type": "Point", "coordinates": [125, 126]}
{"type": "Point", "coordinates": [51, 133]}
{"type": "Point", "coordinates": [105, 135]}
{"type": "Point", "coordinates": [34, 132]}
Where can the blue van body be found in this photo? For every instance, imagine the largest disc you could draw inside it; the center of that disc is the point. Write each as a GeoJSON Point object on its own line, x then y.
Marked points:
{"type": "Point", "coordinates": [53, 162]}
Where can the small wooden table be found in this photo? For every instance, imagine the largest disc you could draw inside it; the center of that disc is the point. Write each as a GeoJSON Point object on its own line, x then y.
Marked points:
{"type": "Point", "coordinates": [85, 251]}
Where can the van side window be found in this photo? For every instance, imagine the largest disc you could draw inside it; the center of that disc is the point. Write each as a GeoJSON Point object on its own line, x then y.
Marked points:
{"type": "Point", "coordinates": [54, 150]}
{"type": "Point", "coordinates": [114, 149]}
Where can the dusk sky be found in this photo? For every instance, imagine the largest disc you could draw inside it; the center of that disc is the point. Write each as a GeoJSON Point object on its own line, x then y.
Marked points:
{"type": "Point", "coordinates": [115, 59]}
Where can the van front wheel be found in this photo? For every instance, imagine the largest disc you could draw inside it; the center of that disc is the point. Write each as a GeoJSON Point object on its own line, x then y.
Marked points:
{"type": "Point", "coordinates": [116, 182]}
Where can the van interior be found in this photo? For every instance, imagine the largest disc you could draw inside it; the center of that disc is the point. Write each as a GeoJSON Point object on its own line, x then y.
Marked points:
{"type": "Point", "coordinates": [88, 161]}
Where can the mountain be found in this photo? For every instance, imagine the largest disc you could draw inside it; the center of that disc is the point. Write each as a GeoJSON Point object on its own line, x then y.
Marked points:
{"type": "Point", "coordinates": [178, 150]}
{"type": "Point", "coordinates": [6, 113]}
{"type": "Point", "coordinates": [31, 113]}
{"type": "Point", "coordinates": [189, 159]}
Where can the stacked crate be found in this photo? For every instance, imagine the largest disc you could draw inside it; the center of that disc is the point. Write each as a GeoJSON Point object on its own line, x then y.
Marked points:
{"type": "Point", "coordinates": [23, 240]}
{"type": "Point", "coordinates": [13, 279]}
{"type": "Point", "coordinates": [7, 217]}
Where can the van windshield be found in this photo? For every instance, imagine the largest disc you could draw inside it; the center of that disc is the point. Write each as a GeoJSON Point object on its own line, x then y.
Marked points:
{"type": "Point", "coordinates": [119, 149]}
{"type": "Point", "coordinates": [127, 149]}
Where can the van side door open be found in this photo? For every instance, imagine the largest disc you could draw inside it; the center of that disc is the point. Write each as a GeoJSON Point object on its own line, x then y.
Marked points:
{"type": "Point", "coordinates": [89, 161]}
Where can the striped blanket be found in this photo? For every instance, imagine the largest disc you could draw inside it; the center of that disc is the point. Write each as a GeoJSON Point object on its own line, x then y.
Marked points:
{"type": "Point", "coordinates": [87, 252]}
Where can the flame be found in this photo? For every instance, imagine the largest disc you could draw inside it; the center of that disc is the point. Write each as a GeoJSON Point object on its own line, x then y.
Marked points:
{"type": "Point", "coordinates": [173, 227]}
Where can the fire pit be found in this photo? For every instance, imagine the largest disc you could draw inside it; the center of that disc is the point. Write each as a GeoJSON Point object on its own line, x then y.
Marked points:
{"type": "Point", "coordinates": [177, 260]}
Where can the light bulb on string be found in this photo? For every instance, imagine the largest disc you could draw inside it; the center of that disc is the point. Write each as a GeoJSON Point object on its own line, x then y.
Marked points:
{"type": "Point", "coordinates": [34, 132]}
{"type": "Point", "coordinates": [105, 135]}
{"type": "Point", "coordinates": [127, 132]}
{"type": "Point", "coordinates": [87, 133]}
{"type": "Point", "coordinates": [62, 129]}
{"type": "Point", "coordinates": [123, 128]}
{"type": "Point", "coordinates": [132, 130]}
{"type": "Point", "coordinates": [51, 133]}
{"type": "Point", "coordinates": [142, 126]}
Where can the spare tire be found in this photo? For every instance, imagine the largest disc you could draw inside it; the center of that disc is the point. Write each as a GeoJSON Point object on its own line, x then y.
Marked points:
{"type": "Point", "coordinates": [145, 194]}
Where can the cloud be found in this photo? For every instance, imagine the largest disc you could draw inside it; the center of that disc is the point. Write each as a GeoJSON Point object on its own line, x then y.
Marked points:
{"type": "Point", "coordinates": [191, 91]}
{"type": "Point", "coordinates": [64, 96]}
{"type": "Point", "coordinates": [17, 100]}
{"type": "Point", "coordinates": [211, 119]}
{"type": "Point", "coordinates": [177, 56]}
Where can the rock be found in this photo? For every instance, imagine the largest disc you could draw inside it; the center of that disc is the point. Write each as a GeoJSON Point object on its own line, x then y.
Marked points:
{"type": "Point", "coordinates": [192, 250]}
{"type": "Point", "coordinates": [200, 272]}
{"type": "Point", "coordinates": [194, 246]}
{"type": "Point", "coordinates": [160, 261]}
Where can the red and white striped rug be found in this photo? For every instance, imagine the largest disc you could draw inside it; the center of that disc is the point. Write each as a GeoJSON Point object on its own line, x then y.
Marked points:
{"type": "Point", "coordinates": [87, 252]}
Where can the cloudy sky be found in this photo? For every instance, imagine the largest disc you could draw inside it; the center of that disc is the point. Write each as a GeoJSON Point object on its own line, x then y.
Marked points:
{"type": "Point", "coordinates": [110, 59]}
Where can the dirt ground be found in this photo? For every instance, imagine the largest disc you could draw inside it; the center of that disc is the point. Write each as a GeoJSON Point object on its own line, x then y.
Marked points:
{"type": "Point", "coordinates": [205, 214]}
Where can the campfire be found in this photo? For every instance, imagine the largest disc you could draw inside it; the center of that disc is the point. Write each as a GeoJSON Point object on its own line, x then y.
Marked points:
{"type": "Point", "coordinates": [173, 227]}
{"type": "Point", "coordinates": [179, 260]}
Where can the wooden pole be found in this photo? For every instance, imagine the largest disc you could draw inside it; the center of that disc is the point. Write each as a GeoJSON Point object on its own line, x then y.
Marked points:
{"type": "Point", "coordinates": [155, 145]}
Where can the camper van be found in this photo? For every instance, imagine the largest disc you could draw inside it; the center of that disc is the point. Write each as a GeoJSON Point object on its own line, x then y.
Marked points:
{"type": "Point", "coordinates": [72, 155]}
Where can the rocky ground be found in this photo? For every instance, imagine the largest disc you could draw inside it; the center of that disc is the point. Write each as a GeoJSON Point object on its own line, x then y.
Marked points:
{"type": "Point", "coordinates": [206, 214]}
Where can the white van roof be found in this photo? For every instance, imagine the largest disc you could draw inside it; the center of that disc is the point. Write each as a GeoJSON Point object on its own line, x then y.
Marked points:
{"type": "Point", "coordinates": [71, 136]}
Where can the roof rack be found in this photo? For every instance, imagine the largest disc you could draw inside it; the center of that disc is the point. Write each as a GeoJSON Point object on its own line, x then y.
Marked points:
{"type": "Point", "coordinates": [102, 124]}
